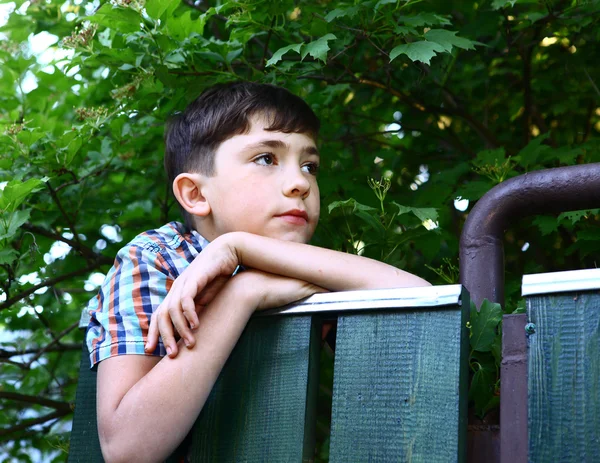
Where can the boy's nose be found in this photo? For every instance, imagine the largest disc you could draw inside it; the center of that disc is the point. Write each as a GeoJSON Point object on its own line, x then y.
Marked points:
{"type": "Point", "coordinates": [296, 184]}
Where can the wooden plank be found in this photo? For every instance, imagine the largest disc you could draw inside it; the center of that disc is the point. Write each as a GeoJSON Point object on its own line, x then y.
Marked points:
{"type": "Point", "coordinates": [84, 445]}
{"type": "Point", "coordinates": [564, 377]}
{"type": "Point", "coordinates": [513, 406]}
{"type": "Point", "coordinates": [400, 384]}
{"type": "Point", "coordinates": [262, 407]}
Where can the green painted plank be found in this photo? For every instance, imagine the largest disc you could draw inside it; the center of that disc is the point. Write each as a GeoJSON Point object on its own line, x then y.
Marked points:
{"type": "Point", "coordinates": [262, 406]}
{"type": "Point", "coordinates": [400, 386]}
{"type": "Point", "coordinates": [564, 377]}
{"type": "Point", "coordinates": [84, 446]}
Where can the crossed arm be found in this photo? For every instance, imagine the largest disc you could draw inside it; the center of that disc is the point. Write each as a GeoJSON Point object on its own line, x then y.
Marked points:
{"type": "Point", "coordinates": [332, 270]}
{"type": "Point", "coordinates": [146, 405]}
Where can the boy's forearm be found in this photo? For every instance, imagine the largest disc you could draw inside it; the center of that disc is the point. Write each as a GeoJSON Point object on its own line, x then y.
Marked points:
{"type": "Point", "coordinates": [333, 270]}
{"type": "Point", "coordinates": [154, 415]}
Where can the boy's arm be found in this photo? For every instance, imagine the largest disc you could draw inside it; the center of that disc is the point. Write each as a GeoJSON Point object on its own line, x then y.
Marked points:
{"type": "Point", "coordinates": [147, 405]}
{"type": "Point", "coordinates": [332, 270]}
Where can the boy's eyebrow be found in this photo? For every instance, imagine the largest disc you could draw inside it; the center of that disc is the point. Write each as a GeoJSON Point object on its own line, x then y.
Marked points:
{"type": "Point", "coordinates": [279, 144]}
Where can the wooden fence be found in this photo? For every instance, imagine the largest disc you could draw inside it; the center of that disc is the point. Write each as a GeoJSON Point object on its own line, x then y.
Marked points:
{"type": "Point", "coordinates": [550, 410]}
{"type": "Point", "coordinates": [400, 383]}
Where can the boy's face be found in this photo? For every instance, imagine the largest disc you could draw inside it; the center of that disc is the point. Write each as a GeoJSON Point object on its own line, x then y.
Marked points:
{"type": "Point", "coordinates": [265, 183]}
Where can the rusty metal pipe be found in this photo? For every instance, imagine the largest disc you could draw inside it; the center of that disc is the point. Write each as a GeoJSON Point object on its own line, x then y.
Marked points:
{"type": "Point", "coordinates": [541, 192]}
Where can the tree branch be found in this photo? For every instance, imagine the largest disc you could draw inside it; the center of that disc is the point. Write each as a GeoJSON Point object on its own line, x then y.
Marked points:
{"type": "Point", "coordinates": [594, 86]}
{"type": "Point", "coordinates": [527, 97]}
{"type": "Point", "coordinates": [32, 399]}
{"type": "Point", "coordinates": [588, 122]}
{"type": "Point", "coordinates": [455, 109]}
{"type": "Point", "coordinates": [263, 61]}
{"type": "Point", "coordinates": [481, 130]}
{"type": "Point", "coordinates": [52, 281]}
{"type": "Point", "coordinates": [78, 180]}
{"type": "Point", "coordinates": [19, 365]}
{"type": "Point", "coordinates": [77, 245]}
{"type": "Point", "coordinates": [32, 422]}
{"type": "Point", "coordinates": [59, 347]}
{"type": "Point", "coordinates": [64, 213]}
{"type": "Point", "coordinates": [54, 342]}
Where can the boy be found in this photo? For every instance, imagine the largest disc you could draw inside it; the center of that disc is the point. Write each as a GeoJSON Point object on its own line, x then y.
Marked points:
{"type": "Point", "coordinates": [243, 162]}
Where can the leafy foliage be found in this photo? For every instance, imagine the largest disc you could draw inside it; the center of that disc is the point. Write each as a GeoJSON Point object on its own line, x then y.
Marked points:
{"type": "Point", "coordinates": [485, 357]}
{"type": "Point", "coordinates": [437, 99]}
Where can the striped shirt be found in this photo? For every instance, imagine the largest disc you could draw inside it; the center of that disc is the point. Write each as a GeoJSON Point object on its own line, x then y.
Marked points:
{"type": "Point", "coordinates": [138, 282]}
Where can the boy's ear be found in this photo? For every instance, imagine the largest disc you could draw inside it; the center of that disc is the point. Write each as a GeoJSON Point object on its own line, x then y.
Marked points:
{"type": "Point", "coordinates": [187, 188]}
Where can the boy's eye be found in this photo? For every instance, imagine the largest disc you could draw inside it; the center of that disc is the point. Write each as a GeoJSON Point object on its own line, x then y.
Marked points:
{"type": "Point", "coordinates": [311, 168]}
{"type": "Point", "coordinates": [266, 159]}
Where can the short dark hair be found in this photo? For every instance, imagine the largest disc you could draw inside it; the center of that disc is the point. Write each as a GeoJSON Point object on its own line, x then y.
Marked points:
{"type": "Point", "coordinates": [222, 111]}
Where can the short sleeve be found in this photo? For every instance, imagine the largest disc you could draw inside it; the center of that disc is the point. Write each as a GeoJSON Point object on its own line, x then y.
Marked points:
{"type": "Point", "coordinates": [120, 314]}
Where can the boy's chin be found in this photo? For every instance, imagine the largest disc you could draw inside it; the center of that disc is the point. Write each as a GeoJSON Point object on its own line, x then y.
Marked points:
{"type": "Point", "coordinates": [294, 237]}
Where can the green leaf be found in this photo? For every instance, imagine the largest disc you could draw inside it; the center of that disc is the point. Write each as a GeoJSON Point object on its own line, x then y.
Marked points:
{"type": "Point", "coordinates": [8, 256]}
{"type": "Point", "coordinates": [318, 48]}
{"type": "Point", "coordinates": [490, 157]}
{"type": "Point", "coordinates": [156, 8]}
{"type": "Point", "coordinates": [497, 4]}
{"type": "Point", "coordinates": [497, 346]}
{"type": "Point", "coordinates": [123, 20]}
{"type": "Point", "coordinates": [381, 3]}
{"type": "Point", "coordinates": [341, 12]}
{"type": "Point", "coordinates": [533, 151]}
{"type": "Point", "coordinates": [181, 27]}
{"type": "Point", "coordinates": [72, 150]}
{"type": "Point", "coordinates": [474, 189]}
{"type": "Point", "coordinates": [417, 51]}
{"type": "Point", "coordinates": [350, 205]}
{"type": "Point", "coordinates": [372, 219]}
{"type": "Point", "coordinates": [448, 39]}
{"type": "Point", "coordinates": [576, 216]}
{"type": "Point", "coordinates": [11, 222]}
{"type": "Point", "coordinates": [535, 17]}
{"type": "Point", "coordinates": [546, 224]}
{"type": "Point", "coordinates": [105, 38]}
{"type": "Point", "coordinates": [6, 163]}
{"type": "Point", "coordinates": [422, 213]}
{"type": "Point", "coordinates": [481, 392]}
{"type": "Point", "coordinates": [521, 307]}
{"type": "Point", "coordinates": [18, 3]}
{"type": "Point", "coordinates": [424, 19]}
{"type": "Point", "coordinates": [367, 214]}
{"type": "Point", "coordinates": [15, 192]}
{"type": "Point", "coordinates": [484, 324]}
{"type": "Point", "coordinates": [404, 30]}
{"type": "Point", "coordinates": [29, 136]}
{"type": "Point", "coordinates": [587, 235]}
{"type": "Point", "coordinates": [278, 55]}
{"type": "Point", "coordinates": [233, 54]}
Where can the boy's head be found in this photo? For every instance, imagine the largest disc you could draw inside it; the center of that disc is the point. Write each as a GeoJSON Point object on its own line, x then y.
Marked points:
{"type": "Point", "coordinates": [206, 147]}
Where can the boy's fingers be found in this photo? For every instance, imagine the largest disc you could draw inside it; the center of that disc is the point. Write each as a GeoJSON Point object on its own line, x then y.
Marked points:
{"type": "Point", "coordinates": [182, 326]}
{"type": "Point", "coordinates": [189, 312]}
{"type": "Point", "coordinates": [152, 338]}
{"type": "Point", "coordinates": [168, 337]}
{"type": "Point", "coordinates": [211, 290]}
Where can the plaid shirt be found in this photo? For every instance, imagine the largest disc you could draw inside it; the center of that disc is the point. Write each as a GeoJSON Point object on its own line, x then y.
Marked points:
{"type": "Point", "coordinates": [139, 280]}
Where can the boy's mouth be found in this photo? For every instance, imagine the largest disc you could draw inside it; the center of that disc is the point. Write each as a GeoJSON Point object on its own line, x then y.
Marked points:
{"type": "Point", "coordinates": [294, 216]}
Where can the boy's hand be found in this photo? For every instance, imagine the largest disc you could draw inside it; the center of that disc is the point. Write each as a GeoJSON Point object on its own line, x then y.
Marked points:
{"type": "Point", "coordinates": [271, 291]}
{"type": "Point", "coordinates": [258, 291]}
{"type": "Point", "coordinates": [193, 289]}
